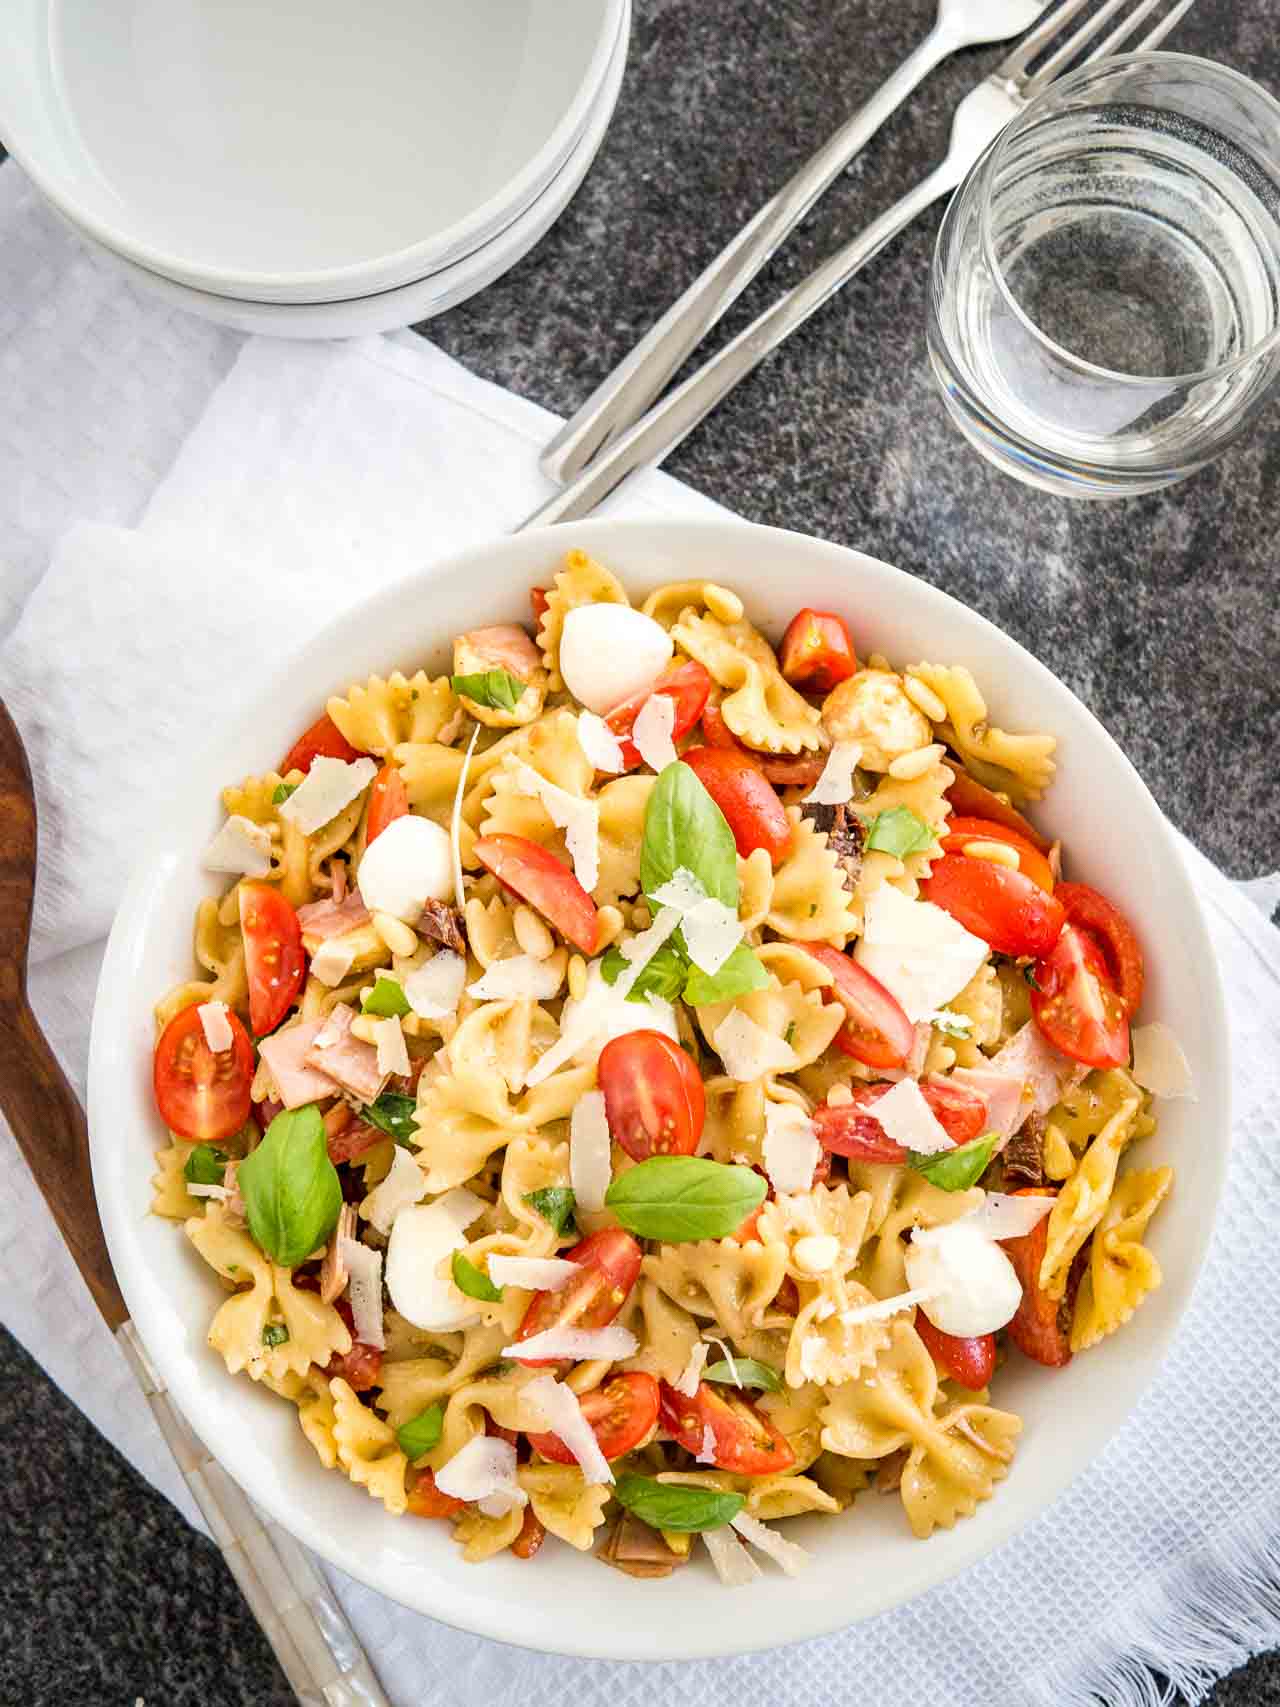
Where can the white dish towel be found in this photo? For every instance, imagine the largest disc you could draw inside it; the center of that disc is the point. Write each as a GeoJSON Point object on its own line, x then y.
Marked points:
{"type": "Point", "coordinates": [177, 505]}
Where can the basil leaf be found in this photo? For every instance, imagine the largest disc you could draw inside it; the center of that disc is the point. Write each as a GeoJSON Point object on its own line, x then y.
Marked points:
{"type": "Point", "coordinates": [206, 1165]}
{"type": "Point", "coordinates": [386, 1000]}
{"type": "Point", "coordinates": [473, 1281]}
{"type": "Point", "coordinates": [663, 1506]}
{"type": "Point", "coordinates": [899, 832]}
{"type": "Point", "coordinates": [749, 1374]}
{"type": "Point", "coordinates": [555, 1203]}
{"type": "Point", "coordinates": [664, 975]}
{"type": "Point", "coordinates": [393, 1113]}
{"type": "Point", "coordinates": [291, 1191]}
{"type": "Point", "coordinates": [740, 973]}
{"type": "Point", "coordinates": [421, 1433]}
{"type": "Point", "coordinates": [681, 1198]}
{"type": "Point", "coordinates": [275, 1333]}
{"type": "Point", "coordinates": [282, 792]}
{"type": "Point", "coordinates": [498, 689]}
{"type": "Point", "coordinates": [958, 1169]}
{"type": "Point", "coordinates": [683, 827]}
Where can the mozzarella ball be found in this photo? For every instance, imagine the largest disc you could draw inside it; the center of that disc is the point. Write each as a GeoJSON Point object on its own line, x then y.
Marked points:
{"type": "Point", "coordinates": [422, 1237]}
{"type": "Point", "coordinates": [409, 864]}
{"type": "Point", "coordinates": [610, 653]}
{"type": "Point", "coordinates": [975, 1285]}
{"type": "Point", "coordinates": [872, 711]}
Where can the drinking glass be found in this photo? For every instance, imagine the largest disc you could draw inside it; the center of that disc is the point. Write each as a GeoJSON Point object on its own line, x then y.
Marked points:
{"type": "Point", "coordinates": [1104, 307]}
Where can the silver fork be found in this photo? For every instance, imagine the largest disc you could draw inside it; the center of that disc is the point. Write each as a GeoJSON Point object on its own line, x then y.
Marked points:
{"type": "Point", "coordinates": [624, 395]}
{"type": "Point", "coordinates": [979, 119]}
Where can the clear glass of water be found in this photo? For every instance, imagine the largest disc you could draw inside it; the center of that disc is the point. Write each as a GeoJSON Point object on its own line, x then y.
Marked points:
{"type": "Point", "coordinates": [1104, 310]}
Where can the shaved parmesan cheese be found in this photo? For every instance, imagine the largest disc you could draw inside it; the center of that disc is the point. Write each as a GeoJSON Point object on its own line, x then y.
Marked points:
{"type": "Point", "coordinates": [918, 952]}
{"type": "Point", "coordinates": [522, 978]}
{"type": "Point", "coordinates": [652, 731]}
{"type": "Point", "coordinates": [600, 746]}
{"type": "Point", "coordinates": [328, 786]}
{"type": "Point", "coordinates": [748, 1050]}
{"type": "Point", "coordinates": [706, 1453]}
{"type": "Point", "coordinates": [332, 960]}
{"type": "Point", "coordinates": [578, 818]}
{"type": "Point", "coordinates": [728, 1357]}
{"type": "Point", "coordinates": [791, 1150]}
{"type": "Point", "coordinates": [218, 1191]}
{"type": "Point", "coordinates": [216, 1026]}
{"type": "Point", "coordinates": [536, 1274]}
{"type": "Point", "coordinates": [434, 989]}
{"type": "Point", "coordinates": [600, 1014]}
{"type": "Point", "coordinates": [791, 1557]}
{"type": "Point", "coordinates": [365, 1290]}
{"type": "Point", "coordinates": [691, 1374]}
{"type": "Point", "coordinates": [883, 1308]}
{"type": "Point", "coordinates": [590, 1151]}
{"type": "Point", "coordinates": [835, 786]}
{"type": "Point", "coordinates": [393, 1057]}
{"type": "Point", "coordinates": [579, 1344]}
{"type": "Point", "coordinates": [455, 823]}
{"type": "Point", "coordinates": [813, 1350]}
{"type": "Point", "coordinates": [402, 1186]}
{"type": "Point", "coordinates": [1009, 1217]}
{"type": "Point", "coordinates": [682, 890]}
{"type": "Point", "coordinates": [241, 847]}
{"type": "Point", "coordinates": [734, 1565]}
{"type": "Point", "coordinates": [1159, 1064]}
{"type": "Point", "coordinates": [711, 930]}
{"type": "Point", "coordinates": [640, 950]}
{"type": "Point", "coordinates": [563, 1416]}
{"type": "Point", "coordinates": [484, 1472]}
{"type": "Point", "coordinates": [907, 1118]}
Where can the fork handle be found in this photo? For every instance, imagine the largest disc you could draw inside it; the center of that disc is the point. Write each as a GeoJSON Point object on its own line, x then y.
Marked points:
{"type": "Point", "coordinates": [624, 395]}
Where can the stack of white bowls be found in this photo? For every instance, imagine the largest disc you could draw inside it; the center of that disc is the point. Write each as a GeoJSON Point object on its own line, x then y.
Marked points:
{"type": "Point", "coordinates": [310, 168]}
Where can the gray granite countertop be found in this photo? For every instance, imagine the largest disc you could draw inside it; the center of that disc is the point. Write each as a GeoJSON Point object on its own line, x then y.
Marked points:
{"type": "Point", "coordinates": [1160, 613]}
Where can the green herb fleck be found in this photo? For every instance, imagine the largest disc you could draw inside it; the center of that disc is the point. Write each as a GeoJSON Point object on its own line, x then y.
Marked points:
{"type": "Point", "coordinates": [664, 1506]}
{"type": "Point", "coordinates": [958, 1169]}
{"type": "Point", "coordinates": [275, 1333]}
{"type": "Point", "coordinates": [282, 792]}
{"type": "Point", "coordinates": [899, 832]}
{"type": "Point", "coordinates": [386, 1000]}
{"type": "Point", "coordinates": [473, 1281]}
{"type": "Point", "coordinates": [498, 689]}
{"type": "Point", "coordinates": [555, 1203]}
{"type": "Point", "coordinates": [421, 1433]}
{"type": "Point", "coordinates": [788, 1036]}
{"type": "Point", "coordinates": [1029, 973]}
{"type": "Point", "coordinates": [206, 1165]}
{"type": "Point", "coordinates": [951, 1024]}
{"type": "Point", "coordinates": [744, 1372]}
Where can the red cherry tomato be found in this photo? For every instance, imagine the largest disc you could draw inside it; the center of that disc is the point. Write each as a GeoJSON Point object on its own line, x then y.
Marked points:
{"type": "Point", "coordinates": [1040, 1327]}
{"type": "Point", "coordinates": [538, 877]}
{"type": "Point", "coordinates": [1075, 1006]}
{"type": "Point", "coordinates": [971, 799]}
{"type": "Point", "coordinates": [424, 1499]}
{"type": "Point", "coordinates": [360, 1367]}
{"type": "Point", "coordinates": [532, 1534]}
{"type": "Point", "coordinates": [274, 958]}
{"type": "Point", "coordinates": [1031, 862]}
{"type": "Point", "coordinates": [851, 1128]}
{"type": "Point", "coordinates": [610, 1263]}
{"type": "Point", "coordinates": [538, 604]}
{"type": "Point", "coordinates": [799, 772]}
{"type": "Point", "coordinates": [742, 1438]}
{"type": "Point", "coordinates": [745, 795]}
{"type": "Point", "coordinates": [201, 1095]}
{"type": "Point", "coordinates": [388, 800]}
{"type": "Point", "coordinates": [996, 903]}
{"type": "Point", "coordinates": [687, 683]}
{"type": "Point", "coordinates": [1091, 912]}
{"type": "Point", "coordinates": [623, 1415]}
{"type": "Point", "coordinates": [817, 652]}
{"type": "Point", "coordinates": [324, 740]}
{"type": "Point", "coordinates": [971, 1362]}
{"type": "Point", "coordinates": [653, 1095]}
{"type": "Point", "coordinates": [877, 1032]}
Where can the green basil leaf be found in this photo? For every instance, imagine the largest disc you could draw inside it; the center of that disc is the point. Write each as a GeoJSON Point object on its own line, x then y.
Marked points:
{"type": "Point", "coordinates": [421, 1433]}
{"type": "Point", "coordinates": [899, 832]}
{"type": "Point", "coordinates": [498, 689]}
{"type": "Point", "coordinates": [740, 973]}
{"type": "Point", "coordinates": [662, 1506]}
{"type": "Point", "coordinates": [684, 828]}
{"type": "Point", "coordinates": [282, 792]}
{"type": "Point", "coordinates": [555, 1203]}
{"type": "Point", "coordinates": [958, 1169]}
{"type": "Point", "coordinates": [291, 1191]}
{"type": "Point", "coordinates": [473, 1281]}
{"type": "Point", "coordinates": [275, 1333]}
{"type": "Point", "coordinates": [664, 975]}
{"type": "Point", "coordinates": [394, 1114]}
{"type": "Point", "coordinates": [206, 1165]}
{"type": "Point", "coordinates": [749, 1373]}
{"type": "Point", "coordinates": [681, 1198]}
{"type": "Point", "coordinates": [386, 1000]}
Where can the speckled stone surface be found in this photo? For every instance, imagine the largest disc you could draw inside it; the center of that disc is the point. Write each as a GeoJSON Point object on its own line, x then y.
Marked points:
{"type": "Point", "coordinates": [1160, 613]}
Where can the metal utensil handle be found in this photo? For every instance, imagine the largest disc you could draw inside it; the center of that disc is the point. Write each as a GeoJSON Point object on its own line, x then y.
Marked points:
{"type": "Point", "coordinates": [318, 1650]}
{"type": "Point", "coordinates": [624, 395]}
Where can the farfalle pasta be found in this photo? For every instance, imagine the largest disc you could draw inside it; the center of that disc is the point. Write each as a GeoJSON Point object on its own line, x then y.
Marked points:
{"type": "Point", "coordinates": [598, 1145]}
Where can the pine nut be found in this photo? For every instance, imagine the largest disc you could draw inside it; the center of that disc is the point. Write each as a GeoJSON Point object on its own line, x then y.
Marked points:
{"type": "Point", "coordinates": [532, 935]}
{"type": "Point", "coordinates": [924, 699]}
{"type": "Point", "coordinates": [908, 766]}
{"type": "Point", "coordinates": [395, 934]}
{"type": "Point", "coordinates": [839, 1096]}
{"type": "Point", "coordinates": [722, 604]}
{"type": "Point", "coordinates": [997, 853]}
{"type": "Point", "coordinates": [577, 977]}
{"type": "Point", "coordinates": [611, 923]}
{"type": "Point", "coordinates": [816, 1252]}
{"type": "Point", "coordinates": [640, 919]}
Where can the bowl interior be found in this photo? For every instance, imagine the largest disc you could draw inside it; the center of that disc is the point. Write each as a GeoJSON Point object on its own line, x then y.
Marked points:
{"type": "Point", "coordinates": [1115, 837]}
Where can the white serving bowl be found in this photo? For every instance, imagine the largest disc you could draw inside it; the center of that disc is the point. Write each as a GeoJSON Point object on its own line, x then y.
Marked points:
{"type": "Point", "coordinates": [866, 1560]}
{"type": "Point", "coordinates": [305, 150]}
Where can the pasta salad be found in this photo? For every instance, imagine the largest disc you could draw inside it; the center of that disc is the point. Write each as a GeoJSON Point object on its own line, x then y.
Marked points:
{"type": "Point", "coordinates": [644, 1084]}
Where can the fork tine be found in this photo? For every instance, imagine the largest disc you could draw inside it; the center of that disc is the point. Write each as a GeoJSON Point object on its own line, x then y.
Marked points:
{"type": "Point", "coordinates": [1015, 63]}
{"type": "Point", "coordinates": [1161, 30]}
{"type": "Point", "coordinates": [1119, 36]}
{"type": "Point", "coordinates": [1068, 51]}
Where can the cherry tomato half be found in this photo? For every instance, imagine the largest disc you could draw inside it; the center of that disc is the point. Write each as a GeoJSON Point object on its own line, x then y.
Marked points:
{"type": "Point", "coordinates": [996, 903]}
{"type": "Point", "coordinates": [851, 1128]}
{"type": "Point", "coordinates": [653, 1095]}
{"type": "Point", "coordinates": [610, 1262]}
{"type": "Point", "coordinates": [274, 958]}
{"type": "Point", "coordinates": [686, 683]}
{"type": "Point", "coordinates": [1040, 1328]}
{"type": "Point", "coordinates": [623, 1415]}
{"type": "Point", "coordinates": [388, 800]}
{"type": "Point", "coordinates": [817, 652]}
{"type": "Point", "coordinates": [424, 1499]}
{"type": "Point", "coordinates": [877, 1032]}
{"type": "Point", "coordinates": [1031, 862]}
{"type": "Point", "coordinates": [538, 604]}
{"type": "Point", "coordinates": [742, 1438]}
{"type": "Point", "coordinates": [1076, 1007]}
{"type": "Point", "coordinates": [973, 800]}
{"type": "Point", "coordinates": [1089, 911]}
{"type": "Point", "coordinates": [745, 795]}
{"type": "Point", "coordinates": [802, 771]}
{"type": "Point", "coordinates": [201, 1095]}
{"type": "Point", "coordinates": [971, 1361]}
{"type": "Point", "coordinates": [360, 1367]}
{"type": "Point", "coordinates": [324, 740]}
{"type": "Point", "coordinates": [538, 877]}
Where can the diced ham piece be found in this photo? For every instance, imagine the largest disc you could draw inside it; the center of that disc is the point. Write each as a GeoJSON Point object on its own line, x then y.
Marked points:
{"type": "Point", "coordinates": [1045, 1073]}
{"type": "Point", "coordinates": [329, 918]}
{"type": "Point", "coordinates": [333, 1271]}
{"type": "Point", "coordinates": [914, 1063]}
{"type": "Point", "coordinates": [346, 1060]}
{"type": "Point", "coordinates": [1002, 1093]}
{"type": "Point", "coordinates": [503, 647]}
{"type": "Point", "coordinates": [298, 1079]}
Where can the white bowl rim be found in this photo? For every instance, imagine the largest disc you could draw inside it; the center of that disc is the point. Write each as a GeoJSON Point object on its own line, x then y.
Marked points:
{"type": "Point", "coordinates": [800, 1617]}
